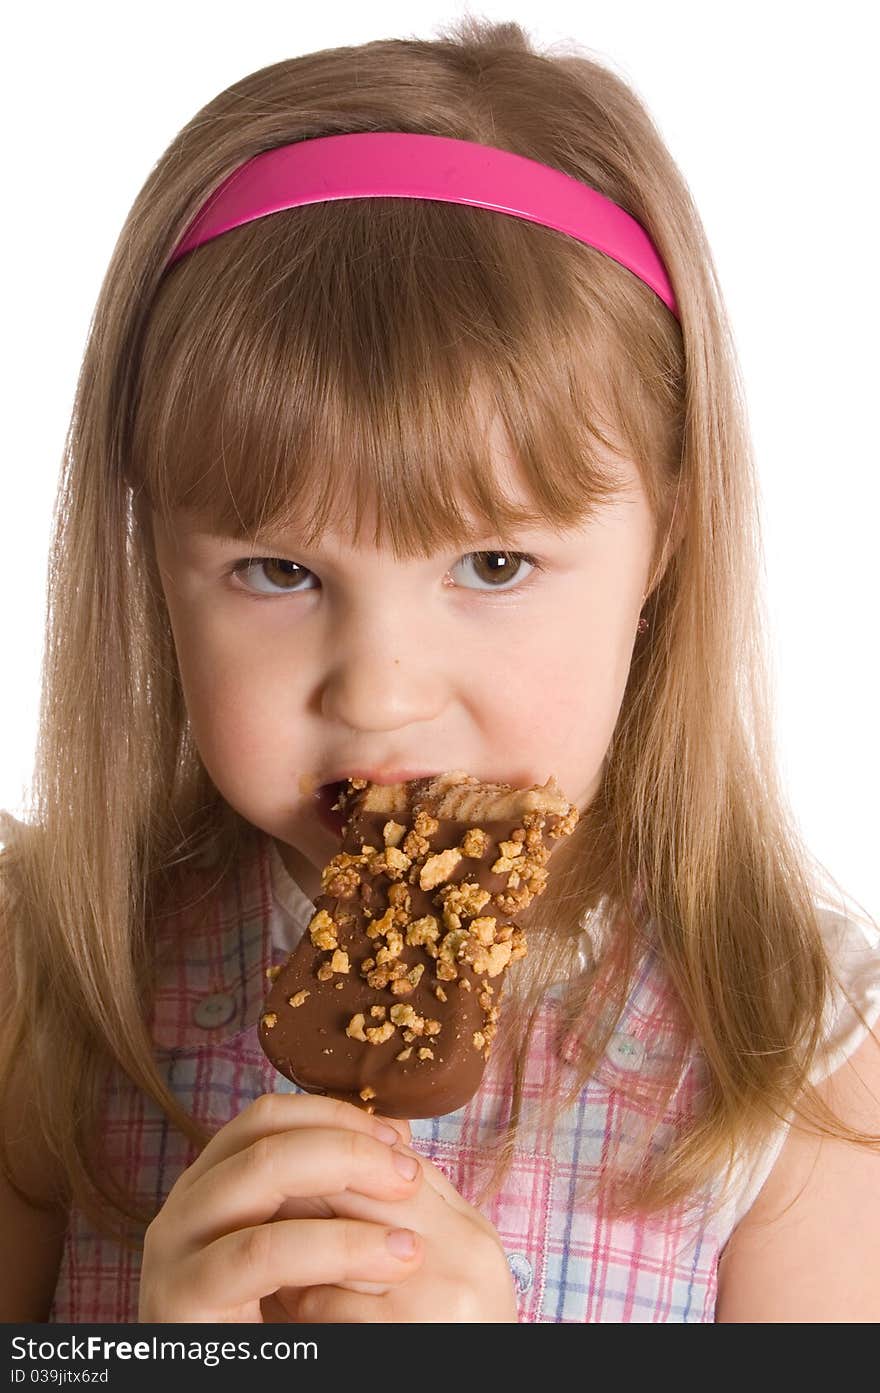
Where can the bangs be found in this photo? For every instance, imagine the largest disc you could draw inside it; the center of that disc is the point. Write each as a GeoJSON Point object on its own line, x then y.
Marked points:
{"type": "Point", "coordinates": [350, 360]}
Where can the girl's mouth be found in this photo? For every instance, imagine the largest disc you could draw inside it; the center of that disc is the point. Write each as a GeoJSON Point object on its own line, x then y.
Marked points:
{"type": "Point", "coordinates": [325, 797]}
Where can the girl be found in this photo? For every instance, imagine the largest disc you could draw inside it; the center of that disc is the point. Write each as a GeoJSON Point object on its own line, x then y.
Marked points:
{"type": "Point", "coordinates": [365, 480]}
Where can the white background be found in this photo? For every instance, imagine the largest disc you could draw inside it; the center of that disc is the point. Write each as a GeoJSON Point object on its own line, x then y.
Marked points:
{"type": "Point", "coordinates": [768, 109]}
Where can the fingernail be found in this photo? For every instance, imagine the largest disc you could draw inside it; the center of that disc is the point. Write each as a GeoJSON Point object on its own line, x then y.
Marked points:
{"type": "Point", "coordinates": [401, 1242]}
{"type": "Point", "coordinates": [386, 1133]}
{"type": "Point", "coordinates": [406, 1165]}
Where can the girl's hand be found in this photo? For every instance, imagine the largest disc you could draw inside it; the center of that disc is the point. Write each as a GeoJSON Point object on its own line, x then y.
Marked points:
{"type": "Point", "coordinates": [212, 1252]}
{"type": "Point", "coordinates": [463, 1276]}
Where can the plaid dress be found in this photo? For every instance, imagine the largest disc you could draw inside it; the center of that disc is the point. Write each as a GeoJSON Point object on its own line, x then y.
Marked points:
{"type": "Point", "coordinates": [570, 1261]}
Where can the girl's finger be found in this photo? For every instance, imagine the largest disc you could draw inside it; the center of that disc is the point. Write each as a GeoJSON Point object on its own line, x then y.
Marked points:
{"type": "Point", "coordinates": [436, 1179]}
{"type": "Point", "coordinates": [423, 1209]}
{"type": "Point", "coordinates": [281, 1112]}
{"type": "Point", "coordinates": [438, 1182]}
{"type": "Point", "coordinates": [250, 1264]}
{"type": "Point", "coordinates": [249, 1186]}
{"type": "Point", "coordinates": [363, 1288]}
{"type": "Point", "coordinates": [430, 1208]}
{"type": "Point", "coordinates": [339, 1305]}
{"type": "Point", "coordinates": [283, 1305]}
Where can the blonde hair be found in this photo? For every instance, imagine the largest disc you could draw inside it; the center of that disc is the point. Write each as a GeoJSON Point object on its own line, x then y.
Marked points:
{"type": "Point", "coordinates": [344, 353]}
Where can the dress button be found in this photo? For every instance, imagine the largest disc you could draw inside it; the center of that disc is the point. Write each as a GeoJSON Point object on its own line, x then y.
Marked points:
{"type": "Point", "coordinates": [214, 1010]}
{"type": "Point", "coordinates": [626, 1052]}
{"type": "Point", "coordinates": [522, 1271]}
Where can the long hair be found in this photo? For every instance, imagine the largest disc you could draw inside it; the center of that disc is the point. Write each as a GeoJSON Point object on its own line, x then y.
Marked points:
{"type": "Point", "coordinates": [339, 355]}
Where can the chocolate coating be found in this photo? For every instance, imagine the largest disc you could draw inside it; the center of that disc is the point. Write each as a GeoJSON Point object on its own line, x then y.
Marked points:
{"type": "Point", "coordinates": [308, 1042]}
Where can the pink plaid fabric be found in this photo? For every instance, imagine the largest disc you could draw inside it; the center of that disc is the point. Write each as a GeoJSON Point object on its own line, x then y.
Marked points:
{"type": "Point", "coordinates": [569, 1259]}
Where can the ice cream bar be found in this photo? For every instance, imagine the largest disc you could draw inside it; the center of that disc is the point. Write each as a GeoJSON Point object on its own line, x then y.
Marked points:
{"type": "Point", "coordinates": [392, 997]}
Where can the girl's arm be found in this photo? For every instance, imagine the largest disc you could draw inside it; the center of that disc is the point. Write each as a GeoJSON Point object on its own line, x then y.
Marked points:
{"type": "Point", "coordinates": [819, 1259]}
{"type": "Point", "coordinates": [31, 1244]}
{"type": "Point", "coordinates": [31, 1240]}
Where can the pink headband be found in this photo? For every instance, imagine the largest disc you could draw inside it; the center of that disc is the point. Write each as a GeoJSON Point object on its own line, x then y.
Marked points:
{"type": "Point", "coordinates": [396, 164]}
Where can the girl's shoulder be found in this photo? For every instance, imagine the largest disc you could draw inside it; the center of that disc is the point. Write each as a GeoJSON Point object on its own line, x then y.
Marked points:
{"type": "Point", "coordinates": [851, 1018]}
{"type": "Point", "coordinates": [808, 1229]}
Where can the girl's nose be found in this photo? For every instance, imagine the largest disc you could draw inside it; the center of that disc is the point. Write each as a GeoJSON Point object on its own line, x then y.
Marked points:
{"type": "Point", "coordinates": [383, 673]}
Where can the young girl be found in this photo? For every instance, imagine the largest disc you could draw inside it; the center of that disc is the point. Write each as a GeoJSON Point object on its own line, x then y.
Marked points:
{"type": "Point", "coordinates": [410, 452]}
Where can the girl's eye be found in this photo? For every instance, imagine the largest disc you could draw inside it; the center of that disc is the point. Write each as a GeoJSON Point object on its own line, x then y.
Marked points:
{"type": "Point", "coordinates": [496, 568]}
{"type": "Point", "coordinates": [284, 574]}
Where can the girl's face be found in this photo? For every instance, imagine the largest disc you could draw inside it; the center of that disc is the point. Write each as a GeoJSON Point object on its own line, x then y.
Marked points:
{"type": "Point", "coordinates": [300, 665]}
